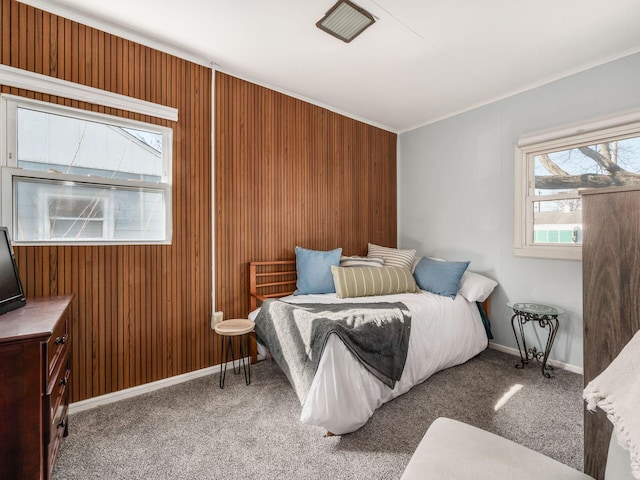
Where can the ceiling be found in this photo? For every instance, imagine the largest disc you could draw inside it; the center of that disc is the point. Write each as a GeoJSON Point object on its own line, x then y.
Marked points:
{"type": "Point", "coordinates": [423, 60]}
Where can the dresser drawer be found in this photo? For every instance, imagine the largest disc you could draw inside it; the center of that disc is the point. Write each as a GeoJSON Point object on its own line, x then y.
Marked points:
{"type": "Point", "coordinates": [59, 383]}
{"type": "Point", "coordinates": [57, 342]}
{"type": "Point", "coordinates": [58, 410]}
{"type": "Point", "coordinates": [59, 420]}
{"type": "Point", "coordinates": [59, 427]}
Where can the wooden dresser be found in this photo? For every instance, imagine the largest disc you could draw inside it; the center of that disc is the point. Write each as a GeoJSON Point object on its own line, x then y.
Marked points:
{"type": "Point", "coordinates": [611, 304]}
{"type": "Point", "coordinates": [35, 369]}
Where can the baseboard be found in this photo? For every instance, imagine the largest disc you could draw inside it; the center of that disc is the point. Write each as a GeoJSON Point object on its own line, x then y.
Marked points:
{"type": "Point", "coordinates": [90, 403]}
{"type": "Point", "coordinates": [553, 363]}
{"type": "Point", "coordinates": [185, 377]}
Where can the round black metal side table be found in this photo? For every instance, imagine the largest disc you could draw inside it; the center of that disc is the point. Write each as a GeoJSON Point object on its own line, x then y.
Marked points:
{"type": "Point", "coordinates": [547, 318]}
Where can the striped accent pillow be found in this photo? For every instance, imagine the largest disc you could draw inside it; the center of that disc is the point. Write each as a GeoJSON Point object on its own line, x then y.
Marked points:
{"type": "Point", "coordinates": [393, 257]}
{"type": "Point", "coordinates": [356, 261]}
{"type": "Point", "coordinates": [367, 281]}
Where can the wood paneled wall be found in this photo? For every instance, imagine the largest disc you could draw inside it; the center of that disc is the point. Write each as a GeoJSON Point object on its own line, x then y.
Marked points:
{"type": "Point", "coordinates": [287, 173]}
{"type": "Point", "coordinates": [140, 313]}
{"type": "Point", "coordinates": [290, 173]}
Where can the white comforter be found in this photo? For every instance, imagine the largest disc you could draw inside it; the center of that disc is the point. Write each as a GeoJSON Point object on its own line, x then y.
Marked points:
{"type": "Point", "coordinates": [343, 396]}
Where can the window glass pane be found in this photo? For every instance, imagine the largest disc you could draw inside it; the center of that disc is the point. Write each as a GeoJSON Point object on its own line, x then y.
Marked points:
{"type": "Point", "coordinates": [81, 230]}
{"type": "Point", "coordinates": [605, 164]}
{"type": "Point", "coordinates": [75, 207]}
{"type": "Point", "coordinates": [55, 210]}
{"type": "Point", "coordinates": [558, 221]}
{"type": "Point", "coordinates": [52, 142]}
{"type": "Point", "coordinates": [75, 217]}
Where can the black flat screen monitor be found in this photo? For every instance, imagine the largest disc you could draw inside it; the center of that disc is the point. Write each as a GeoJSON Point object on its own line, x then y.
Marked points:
{"type": "Point", "coordinates": [11, 293]}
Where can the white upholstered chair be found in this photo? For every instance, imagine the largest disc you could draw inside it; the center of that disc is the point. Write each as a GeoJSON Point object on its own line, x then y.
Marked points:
{"type": "Point", "coordinates": [452, 450]}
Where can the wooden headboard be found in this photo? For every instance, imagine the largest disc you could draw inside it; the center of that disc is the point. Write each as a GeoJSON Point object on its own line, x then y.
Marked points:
{"type": "Point", "coordinates": [270, 280]}
{"type": "Point", "coordinates": [278, 279]}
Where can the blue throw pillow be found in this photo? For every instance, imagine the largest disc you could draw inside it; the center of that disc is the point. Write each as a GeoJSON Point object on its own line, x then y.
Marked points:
{"type": "Point", "coordinates": [314, 270]}
{"type": "Point", "coordinates": [438, 277]}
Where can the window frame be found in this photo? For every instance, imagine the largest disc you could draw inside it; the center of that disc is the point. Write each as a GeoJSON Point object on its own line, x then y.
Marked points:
{"type": "Point", "coordinates": [9, 169]}
{"type": "Point", "coordinates": [607, 129]}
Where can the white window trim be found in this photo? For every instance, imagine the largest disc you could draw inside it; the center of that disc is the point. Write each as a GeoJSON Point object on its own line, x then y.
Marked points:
{"type": "Point", "coordinates": [6, 211]}
{"type": "Point", "coordinates": [18, 78]}
{"type": "Point", "coordinates": [566, 137]}
{"type": "Point", "coordinates": [8, 139]}
{"type": "Point", "coordinates": [8, 165]}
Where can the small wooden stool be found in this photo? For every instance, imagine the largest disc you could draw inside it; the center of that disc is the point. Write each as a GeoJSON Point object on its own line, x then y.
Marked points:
{"type": "Point", "coordinates": [233, 328]}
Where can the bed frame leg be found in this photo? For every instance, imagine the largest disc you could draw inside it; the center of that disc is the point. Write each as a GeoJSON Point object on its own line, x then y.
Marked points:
{"type": "Point", "coordinates": [329, 434]}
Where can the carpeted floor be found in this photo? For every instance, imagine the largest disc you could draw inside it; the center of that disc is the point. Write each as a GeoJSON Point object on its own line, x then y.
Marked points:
{"type": "Point", "coordinates": [197, 431]}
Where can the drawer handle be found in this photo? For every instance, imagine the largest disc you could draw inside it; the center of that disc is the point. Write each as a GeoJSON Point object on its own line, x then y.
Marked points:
{"type": "Point", "coordinates": [64, 381]}
{"type": "Point", "coordinates": [62, 424]}
{"type": "Point", "coordinates": [60, 340]}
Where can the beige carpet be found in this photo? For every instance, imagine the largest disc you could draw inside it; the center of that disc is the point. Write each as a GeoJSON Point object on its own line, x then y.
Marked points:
{"type": "Point", "coordinates": [197, 431]}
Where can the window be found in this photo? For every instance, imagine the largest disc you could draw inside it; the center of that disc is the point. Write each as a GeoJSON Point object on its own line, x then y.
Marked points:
{"type": "Point", "coordinates": [74, 176]}
{"type": "Point", "coordinates": [550, 172]}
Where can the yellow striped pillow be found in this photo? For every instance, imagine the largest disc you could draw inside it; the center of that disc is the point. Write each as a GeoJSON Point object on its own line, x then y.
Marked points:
{"type": "Point", "coordinates": [367, 281]}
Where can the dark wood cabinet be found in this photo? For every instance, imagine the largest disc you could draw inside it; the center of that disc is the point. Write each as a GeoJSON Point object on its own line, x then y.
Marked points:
{"type": "Point", "coordinates": [611, 304]}
{"type": "Point", "coordinates": [35, 370]}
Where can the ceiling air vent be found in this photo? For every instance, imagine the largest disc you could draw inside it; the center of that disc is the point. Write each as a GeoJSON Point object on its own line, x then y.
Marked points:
{"type": "Point", "coordinates": [345, 21]}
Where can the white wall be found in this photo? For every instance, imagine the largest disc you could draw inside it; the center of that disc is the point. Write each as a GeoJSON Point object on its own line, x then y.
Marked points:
{"type": "Point", "coordinates": [456, 183]}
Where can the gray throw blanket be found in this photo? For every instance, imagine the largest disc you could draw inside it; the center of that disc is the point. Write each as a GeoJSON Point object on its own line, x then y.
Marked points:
{"type": "Point", "coordinates": [296, 334]}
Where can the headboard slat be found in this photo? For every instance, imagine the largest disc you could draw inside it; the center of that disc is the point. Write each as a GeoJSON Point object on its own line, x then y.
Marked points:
{"type": "Point", "coordinates": [269, 279]}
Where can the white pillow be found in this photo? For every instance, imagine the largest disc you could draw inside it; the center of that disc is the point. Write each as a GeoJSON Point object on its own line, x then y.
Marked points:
{"type": "Point", "coordinates": [475, 287]}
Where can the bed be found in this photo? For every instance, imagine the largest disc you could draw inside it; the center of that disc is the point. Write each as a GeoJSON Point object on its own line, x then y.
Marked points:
{"type": "Point", "coordinates": [343, 394]}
